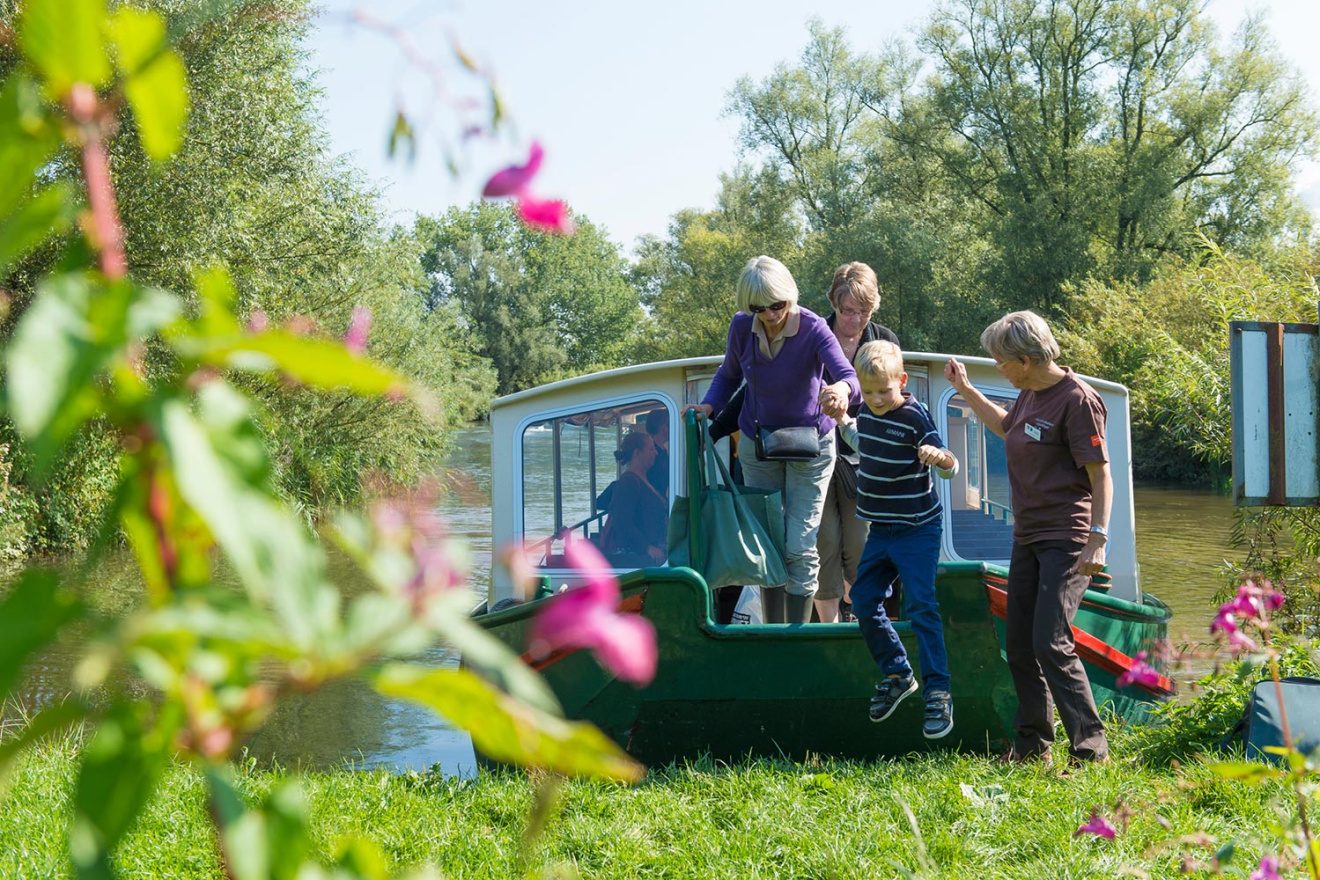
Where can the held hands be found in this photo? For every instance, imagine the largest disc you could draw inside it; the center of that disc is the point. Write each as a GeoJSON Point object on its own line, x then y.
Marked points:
{"type": "Point", "coordinates": [833, 402]}
{"type": "Point", "coordinates": [956, 373]}
{"type": "Point", "coordinates": [935, 457]}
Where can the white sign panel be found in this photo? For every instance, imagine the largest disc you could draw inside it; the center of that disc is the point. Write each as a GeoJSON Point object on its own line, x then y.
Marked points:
{"type": "Point", "coordinates": [1275, 411]}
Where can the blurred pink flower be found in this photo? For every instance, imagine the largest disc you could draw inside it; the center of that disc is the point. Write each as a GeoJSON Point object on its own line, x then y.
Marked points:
{"type": "Point", "coordinates": [545, 215]}
{"type": "Point", "coordinates": [1141, 672]}
{"type": "Point", "coordinates": [1097, 825]}
{"type": "Point", "coordinates": [516, 179]}
{"type": "Point", "coordinates": [359, 328]}
{"type": "Point", "coordinates": [257, 321]}
{"type": "Point", "coordinates": [1268, 870]}
{"type": "Point", "coordinates": [411, 525]}
{"type": "Point", "coordinates": [586, 617]}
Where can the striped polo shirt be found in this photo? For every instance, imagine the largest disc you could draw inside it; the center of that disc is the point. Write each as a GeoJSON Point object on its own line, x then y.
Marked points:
{"type": "Point", "coordinates": [893, 486]}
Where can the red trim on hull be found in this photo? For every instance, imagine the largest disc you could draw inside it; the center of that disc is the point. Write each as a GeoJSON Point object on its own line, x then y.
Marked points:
{"type": "Point", "coordinates": [1091, 649]}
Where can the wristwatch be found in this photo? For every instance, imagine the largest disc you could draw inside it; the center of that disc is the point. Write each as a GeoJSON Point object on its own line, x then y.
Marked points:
{"type": "Point", "coordinates": [1101, 531]}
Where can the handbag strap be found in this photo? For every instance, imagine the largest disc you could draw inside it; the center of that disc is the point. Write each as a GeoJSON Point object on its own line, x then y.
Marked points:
{"type": "Point", "coordinates": [756, 400]}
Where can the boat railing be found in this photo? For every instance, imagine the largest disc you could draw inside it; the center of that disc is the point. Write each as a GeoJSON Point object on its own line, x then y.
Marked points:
{"type": "Point", "coordinates": [995, 510]}
{"type": "Point", "coordinates": [545, 545]}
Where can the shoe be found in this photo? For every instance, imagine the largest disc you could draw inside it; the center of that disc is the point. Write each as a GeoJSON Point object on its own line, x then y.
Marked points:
{"type": "Point", "coordinates": [939, 715]}
{"type": "Point", "coordinates": [1014, 757]}
{"type": "Point", "coordinates": [1075, 762]}
{"type": "Point", "coordinates": [845, 612]}
{"type": "Point", "coordinates": [888, 694]}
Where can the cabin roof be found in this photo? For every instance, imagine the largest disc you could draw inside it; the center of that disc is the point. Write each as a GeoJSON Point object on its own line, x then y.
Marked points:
{"type": "Point", "coordinates": [934, 359]}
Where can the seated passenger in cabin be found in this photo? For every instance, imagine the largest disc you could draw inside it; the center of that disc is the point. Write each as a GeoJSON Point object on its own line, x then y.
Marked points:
{"type": "Point", "coordinates": [637, 524]}
{"type": "Point", "coordinates": [657, 427]}
{"type": "Point", "coordinates": [899, 446]}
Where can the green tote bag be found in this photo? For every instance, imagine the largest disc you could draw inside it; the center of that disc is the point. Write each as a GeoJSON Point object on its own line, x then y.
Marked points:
{"type": "Point", "coordinates": [741, 530]}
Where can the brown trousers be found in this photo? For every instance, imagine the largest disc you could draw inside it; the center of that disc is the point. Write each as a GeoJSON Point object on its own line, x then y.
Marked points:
{"type": "Point", "coordinates": [1042, 601]}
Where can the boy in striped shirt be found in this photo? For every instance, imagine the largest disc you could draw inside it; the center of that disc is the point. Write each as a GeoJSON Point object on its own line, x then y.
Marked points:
{"type": "Point", "coordinates": [899, 448]}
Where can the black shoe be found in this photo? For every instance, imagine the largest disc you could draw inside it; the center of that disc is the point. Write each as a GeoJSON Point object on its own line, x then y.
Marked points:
{"type": "Point", "coordinates": [845, 612]}
{"type": "Point", "coordinates": [888, 694]}
{"type": "Point", "coordinates": [939, 715]}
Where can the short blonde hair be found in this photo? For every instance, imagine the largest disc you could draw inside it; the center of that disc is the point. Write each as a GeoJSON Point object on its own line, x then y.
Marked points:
{"type": "Point", "coordinates": [857, 279]}
{"type": "Point", "coordinates": [765, 280]}
{"type": "Point", "coordinates": [1020, 335]}
{"type": "Point", "coordinates": [879, 358]}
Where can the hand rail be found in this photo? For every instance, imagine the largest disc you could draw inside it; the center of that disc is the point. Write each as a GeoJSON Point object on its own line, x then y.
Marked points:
{"type": "Point", "coordinates": [695, 481]}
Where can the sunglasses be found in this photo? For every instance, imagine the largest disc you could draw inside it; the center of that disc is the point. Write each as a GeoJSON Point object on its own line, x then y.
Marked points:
{"type": "Point", "coordinates": [773, 307]}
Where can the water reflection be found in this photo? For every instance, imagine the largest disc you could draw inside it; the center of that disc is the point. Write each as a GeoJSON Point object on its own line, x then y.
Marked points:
{"type": "Point", "coordinates": [1182, 541]}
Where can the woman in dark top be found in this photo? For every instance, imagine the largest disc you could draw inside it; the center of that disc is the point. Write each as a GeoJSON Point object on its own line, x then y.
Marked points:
{"type": "Point", "coordinates": [1062, 490]}
{"type": "Point", "coordinates": [854, 295]}
{"type": "Point", "coordinates": [635, 532]}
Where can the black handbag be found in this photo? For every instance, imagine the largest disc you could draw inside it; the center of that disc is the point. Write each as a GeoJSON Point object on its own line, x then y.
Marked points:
{"type": "Point", "coordinates": [790, 443]}
{"type": "Point", "coordinates": [795, 443]}
{"type": "Point", "coordinates": [846, 473]}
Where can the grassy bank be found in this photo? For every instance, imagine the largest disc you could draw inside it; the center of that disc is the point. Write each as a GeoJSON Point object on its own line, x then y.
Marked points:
{"type": "Point", "coordinates": [972, 818]}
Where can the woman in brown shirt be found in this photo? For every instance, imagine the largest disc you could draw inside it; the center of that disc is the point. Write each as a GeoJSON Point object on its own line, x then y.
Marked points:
{"type": "Point", "coordinates": [1058, 471]}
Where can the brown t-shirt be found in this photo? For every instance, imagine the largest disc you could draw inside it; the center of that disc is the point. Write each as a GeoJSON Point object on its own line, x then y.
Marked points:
{"type": "Point", "coordinates": [1049, 437]}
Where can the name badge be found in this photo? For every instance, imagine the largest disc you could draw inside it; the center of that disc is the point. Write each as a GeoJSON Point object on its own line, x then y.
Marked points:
{"type": "Point", "coordinates": [1032, 431]}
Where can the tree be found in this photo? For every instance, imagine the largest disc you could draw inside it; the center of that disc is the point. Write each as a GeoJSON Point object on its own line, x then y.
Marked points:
{"type": "Point", "coordinates": [687, 279]}
{"type": "Point", "coordinates": [1098, 134]}
{"type": "Point", "coordinates": [538, 307]}
{"type": "Point", "coordinates": [255, 187]}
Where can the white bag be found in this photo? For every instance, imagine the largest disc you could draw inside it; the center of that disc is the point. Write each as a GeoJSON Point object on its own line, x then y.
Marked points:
{"type": "Point", "coordinates": [748, 609]}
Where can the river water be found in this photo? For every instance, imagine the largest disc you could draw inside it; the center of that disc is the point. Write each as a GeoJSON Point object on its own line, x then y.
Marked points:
{"type": "Point", "coordinates": [1182, 543]}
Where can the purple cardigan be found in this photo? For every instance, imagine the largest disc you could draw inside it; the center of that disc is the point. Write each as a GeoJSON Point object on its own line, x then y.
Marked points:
{"type": "Point", "coordinates": [790, 384]}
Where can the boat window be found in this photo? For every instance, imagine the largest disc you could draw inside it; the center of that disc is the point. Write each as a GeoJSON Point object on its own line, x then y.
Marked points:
{"type": "Point", "coordinates": [980, 510]}
{"type": "Point", "coordinates": [575, 488]}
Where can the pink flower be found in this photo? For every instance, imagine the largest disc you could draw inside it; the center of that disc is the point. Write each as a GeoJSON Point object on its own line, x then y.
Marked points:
{"type": "Point", "coordinates": [585, 617]}
{"type": "Point", "coordinates": [1141, 673]}
{"type": "Point", "coordinates": [1268, 870]}
{"type": "Point", "coordinates": [545, 215]}
{"type": "Point", "coordinates": [359, 327]}
{"type": "Point", "coordinates": [516, 179]}
{"type": "Point", "coordinates": [1099, 826]}
{"type": "Point", "coordinates": [257, 321]}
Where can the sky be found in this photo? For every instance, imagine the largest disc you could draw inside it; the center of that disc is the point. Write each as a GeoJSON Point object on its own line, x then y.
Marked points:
{"type": "Point", "coordinates": [626, 98]}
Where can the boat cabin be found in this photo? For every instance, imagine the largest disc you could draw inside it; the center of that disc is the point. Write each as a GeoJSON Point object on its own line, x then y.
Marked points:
{"type": "Point", "coordinates": [552, 457]}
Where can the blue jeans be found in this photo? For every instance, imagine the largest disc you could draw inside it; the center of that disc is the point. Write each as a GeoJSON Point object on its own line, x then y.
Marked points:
{"type": "Point", "coordinates": [909, 552]}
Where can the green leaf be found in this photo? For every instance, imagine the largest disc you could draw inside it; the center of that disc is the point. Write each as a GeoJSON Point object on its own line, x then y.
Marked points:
{"type": "Point", "coordinates": [319, 363]}
{"type": "Point", "coordinates": [27, 139]}
{"type": "Point", "coordinates": [216, 290]}
{"type": "Point", "coordinates": [270, 842]}
{"type": "Point", "coordinates": [63, 40]}
{"type": "Point", "coordinates": [489, 657]}
{"type": "Point", "coordinates": [49, 212]}
{"type": "Point", "coordinates": [31, 615]}
{"type": "Point", "coordinates": [120, 768]}
{"type": "Point", "coordinates": [67, 337]}
{"type": "Point", "coordinates": [219, 462]}
{"type": "Point", "coordinates": [1246, 771]}
{"type": "Point", "coordinates": [155, 81]}
{"type": "Point", "coordinates": [504, 729]}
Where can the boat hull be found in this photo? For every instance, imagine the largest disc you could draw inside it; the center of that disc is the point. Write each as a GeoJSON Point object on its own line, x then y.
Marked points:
{"type": "Point", "coordinates": [733, 691]}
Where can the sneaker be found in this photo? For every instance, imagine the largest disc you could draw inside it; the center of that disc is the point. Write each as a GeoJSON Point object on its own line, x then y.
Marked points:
{"type": "Point", "coordinates": [845, 612]}
{"type": "Point", "coordinates": [888, 694]}
{"type": "Point", "coordinates": [939, 715]}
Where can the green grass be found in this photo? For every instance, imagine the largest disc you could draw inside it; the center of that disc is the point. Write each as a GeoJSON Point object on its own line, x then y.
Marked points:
{"type": "Point", "coordinates": [827, 819]}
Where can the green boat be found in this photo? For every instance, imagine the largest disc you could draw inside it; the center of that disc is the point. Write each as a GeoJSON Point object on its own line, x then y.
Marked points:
{"type": "Point", "coordinates": [729, 690]}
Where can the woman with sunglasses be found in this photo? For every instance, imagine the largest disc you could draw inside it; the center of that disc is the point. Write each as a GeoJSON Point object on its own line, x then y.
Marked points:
{"type": "Point", "coordinates": [794, 369]}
